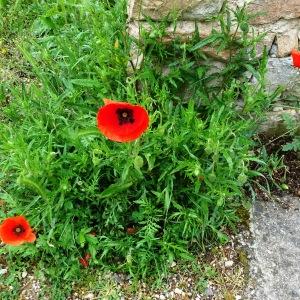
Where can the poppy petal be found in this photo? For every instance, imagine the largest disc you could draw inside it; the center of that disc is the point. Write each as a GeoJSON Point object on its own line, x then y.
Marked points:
{"type": "Point", "coordinates": [84, 262]}
{"type": "Point", "coordinates": [31, 238]}
{"type": "Point", "coordinates": [122, 122]}
{"type": "Point", "coordinates": [296, 58]}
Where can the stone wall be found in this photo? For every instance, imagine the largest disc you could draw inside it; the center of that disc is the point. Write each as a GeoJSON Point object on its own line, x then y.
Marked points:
{"type": "Point", "coordinates": [279, 19]}
{"type": "Point", "coordinates": [188, 9]}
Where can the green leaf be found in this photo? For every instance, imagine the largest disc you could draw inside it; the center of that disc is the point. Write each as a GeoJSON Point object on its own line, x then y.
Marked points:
{"type": "Point", "coordinates": [87, 132]}
{"type": "Point", "coordinates": [86, 82]}
{"type": "Point", "coordinates": [206, 41]}
{"type": "Point", "coordinates": [115, 189]}
{"type": "Point", "coordinates": [167, 200]}
{"type": "Point", "coordinates": [251, 69]}
{"type": "Point", "coordinates": [34, 186]}
{"type": "Point", "coordinates": [293, 146]}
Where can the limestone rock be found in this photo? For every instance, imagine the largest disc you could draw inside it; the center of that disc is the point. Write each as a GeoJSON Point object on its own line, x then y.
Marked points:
{"type": "Point", "coordinates": [274, 125]}
{"type": "Point", "coordinates": [287, 34]}
{"type": "Point", "coordinates": [136, 60]}
{"type": "Point", "coordinates": [238, 3]}
{"type": "Point", "coordinates": [281, 72]}
{"type": "Point", "coordinates": [272, 10]}
{"type": "Point", "coordinates": [203, 10]}
{"type": "Point", "coordinates": [160, 9]}
{"type": "Point", "coordinates": [286, 42]}
{"type": "Point", "coordinates": [183, 29]}
{"type": "Point", "coordinates": [267, 40]}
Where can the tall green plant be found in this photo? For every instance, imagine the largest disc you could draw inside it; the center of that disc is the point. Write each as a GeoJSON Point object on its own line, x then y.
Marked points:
{"type": "Point", "coordinates": [178, 186]}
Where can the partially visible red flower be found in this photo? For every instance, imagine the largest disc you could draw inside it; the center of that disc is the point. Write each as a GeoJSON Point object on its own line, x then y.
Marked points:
{"type": "Point", "coordinates": [16, 231]}
{"type": "Point", "coordinates": [85, 260]}
{"type": "Point", "coordinates": [131, 230]}
{"type": "Point", "coordinates": [122, 122]}
{"type": "Point", "coordinates": [296, 58]}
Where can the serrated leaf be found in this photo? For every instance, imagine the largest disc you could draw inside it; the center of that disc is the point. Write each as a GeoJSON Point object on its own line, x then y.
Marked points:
{"type": "Point", "coordinates": [293, 146]}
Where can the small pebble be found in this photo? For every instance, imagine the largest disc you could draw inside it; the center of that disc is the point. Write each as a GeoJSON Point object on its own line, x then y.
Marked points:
{"type": "Point", "coordinates": [24, 274]}
{"type": "Point", "coordinates": [162, 297]}
{"type": "Point", "coordinates": [3, 271]}
{"type": "Point", "coordinates": [228, 263]}
{"type": "Point", "coordinates": [238, 297]}
{"type": "Point", "coordinates": [178, 291]}
{"type": "Point", "coordinates": [89, 296]}
{"type": "Point", "coordinates": [209, 292]}
{"type": "Point", "coordinates": [278, 108]}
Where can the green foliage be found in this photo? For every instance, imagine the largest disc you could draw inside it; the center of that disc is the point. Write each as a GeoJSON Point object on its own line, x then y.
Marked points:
{"type": "Point", "coordinates": [293, 130]}
{"type": "Point", "coordinates": [179, 185]}
{"type": "Point", "coordinates": [293, 146]}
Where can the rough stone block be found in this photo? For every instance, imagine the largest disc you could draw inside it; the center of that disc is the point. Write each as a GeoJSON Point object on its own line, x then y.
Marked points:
{"type": "Point", "coordinates": [160, 9]}
{"type": "Point", "coordinates": [281, 72]}
{"type": "Point", "coordinates": [286, 42]}
{"type": "Point", "coordinates": [274, 10]}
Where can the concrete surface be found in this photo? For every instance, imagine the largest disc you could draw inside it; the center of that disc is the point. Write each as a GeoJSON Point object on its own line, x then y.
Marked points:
{"type": "Point", "coordinates": [275, 252]}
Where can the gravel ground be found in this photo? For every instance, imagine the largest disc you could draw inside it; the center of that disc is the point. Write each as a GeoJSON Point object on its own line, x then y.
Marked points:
{"type": "Point", "coordinates": [220, 274]}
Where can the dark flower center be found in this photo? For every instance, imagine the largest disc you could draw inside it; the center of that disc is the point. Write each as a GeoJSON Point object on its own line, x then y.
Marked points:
{"type": "Point", "coordinates": [19, 230]}
{"type": "Point", "coordinates": [125, 115]}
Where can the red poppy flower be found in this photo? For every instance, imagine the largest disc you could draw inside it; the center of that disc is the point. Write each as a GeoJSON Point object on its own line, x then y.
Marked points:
{"type": "Point", "coordinates": [122, 122]}
{"type": "Point", "coordinates": [16, 231]}
{"type": "Point", "coordinates": [296, 58]}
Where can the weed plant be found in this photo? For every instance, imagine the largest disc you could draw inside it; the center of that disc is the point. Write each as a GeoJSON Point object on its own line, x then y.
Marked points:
{"type": "Point", "coordinates": [293, 131]}
{"type": "Point", "coordinates": [179, 186]}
